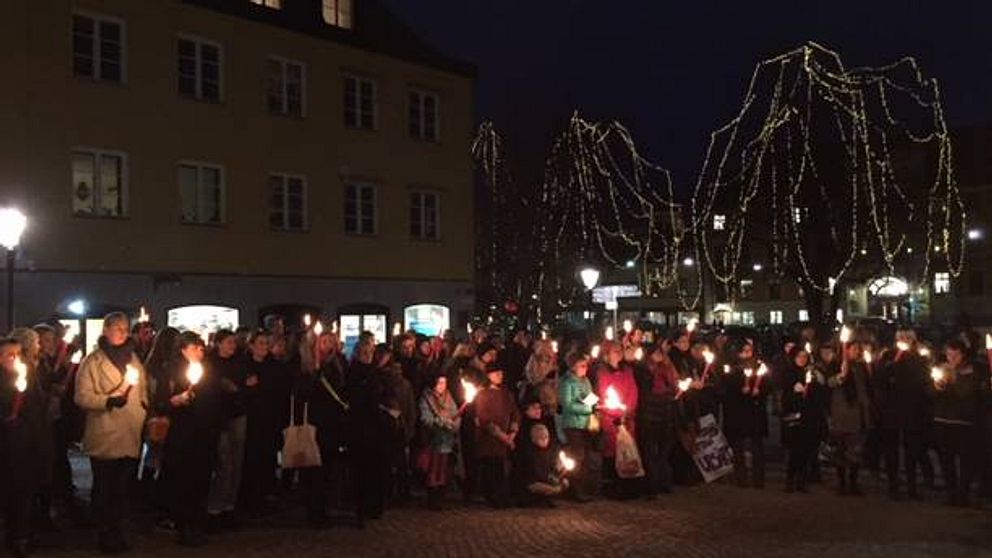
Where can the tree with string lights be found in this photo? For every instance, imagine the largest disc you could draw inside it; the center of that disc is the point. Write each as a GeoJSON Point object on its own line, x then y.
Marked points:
{"type": "Point", "coordinates": [828, 175]}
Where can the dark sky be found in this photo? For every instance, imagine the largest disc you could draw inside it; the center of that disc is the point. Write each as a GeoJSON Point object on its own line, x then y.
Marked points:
{"type": "Point", "coordinates": [674, 70]}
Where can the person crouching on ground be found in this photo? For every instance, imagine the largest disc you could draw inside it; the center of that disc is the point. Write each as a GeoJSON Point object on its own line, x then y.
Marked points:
{"type": "Point", "coordinates": [542, 476]}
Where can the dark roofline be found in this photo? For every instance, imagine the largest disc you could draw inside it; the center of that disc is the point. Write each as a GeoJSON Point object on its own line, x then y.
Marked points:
{"type": "Point", "coordinates": [376, 29]}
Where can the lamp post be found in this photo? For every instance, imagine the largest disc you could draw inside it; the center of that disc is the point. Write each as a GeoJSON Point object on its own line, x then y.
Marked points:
{"type": "Point", "coordinates": [590, 278]}
{"type": "Point", "coordinates": [12, 225]}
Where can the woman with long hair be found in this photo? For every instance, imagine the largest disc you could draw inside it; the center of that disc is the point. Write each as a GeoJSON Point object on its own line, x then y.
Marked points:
{"type": "Point", "coordinates": [440, 419]}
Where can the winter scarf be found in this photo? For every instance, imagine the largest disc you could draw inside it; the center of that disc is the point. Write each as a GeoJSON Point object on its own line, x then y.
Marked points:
{"type": "Point", "coordinates": [120, 355]}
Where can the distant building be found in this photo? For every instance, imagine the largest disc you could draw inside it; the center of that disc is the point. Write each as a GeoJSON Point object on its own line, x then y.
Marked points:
{"type": "Point", "coordinates": [252, 156]}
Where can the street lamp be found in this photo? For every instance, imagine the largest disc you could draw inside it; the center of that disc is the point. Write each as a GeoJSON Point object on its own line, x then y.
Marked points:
{"type": "Point", "coordinates": [12, 225]}
{"type": "Point", "coordinates": [590, 277]}
{"type": "Point", "coordinates": [975, 234]}
{"type": "Point", "coordinates": [688, 262]}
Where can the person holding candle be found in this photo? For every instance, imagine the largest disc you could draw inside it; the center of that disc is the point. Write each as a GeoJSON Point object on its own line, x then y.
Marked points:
{"type": "Point", "coordinates": [497, 421]}
{"type": "Point", "coordinates": [115, 419]}
{"type": "Point", "coordinates": [957, 404]}
{"type": "Point", "coordinates": [440, 419]}
{"type": "Point", "coordinates": [25, 444]}
{"type": "Point", "coordinates": [745, 393]}
{"type": "Point", "coordinates": [803, 413]}
{"type": "Point", "coordinates": [901, 382]}
{"type": "Point", "coordinates": [615, 382]}
{"type": "Point", "coordinates": [657, 385]}
{"type": "Point", "coordinates": [190, 397]}
{"type": "Point", "coordinates": [229, 367]}
{"type": "Point", "coordinates": [577, 401]}
{"type": "Point", "coordinates": [261, 434]}
{"type": "Point", "coordinates": [541, 475]}
{"type": "Point", "coordinates": [850, 415]}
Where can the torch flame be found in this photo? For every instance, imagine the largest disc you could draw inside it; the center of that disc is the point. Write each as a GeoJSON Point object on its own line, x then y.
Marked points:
{"type": "Point", "coordinates": [685, 384]}
{"type": "Point", "coordinates": [567, 462]}
{"type": "Point", "coordinates": [307, 320]}
{"type": "Point", "coordinates": [639, 353]}
{"type": "Point", "coordinates": [143, 316]}
{"type": "Point", "coordinates": [613, 400]}
{"type": "Point", "coordinates": [194, 373]}
{"type": "Point", "coordinates": [902, 346]}
{"type": "Point", "coordinates": [609, 333]}
{"type": "Point", "coordinates": [21, 383]}
{"type": "Point", "coordinates": [318, 328]}
{"type": "Point", "coordinates": [594, 352]}
{"type": "Point", "coordinates": [936, 374]}
{"type": "Point", "coordinates": [628, 326]}
{"type": "Point", "coordinates": [708, 356]}
{"type": "Point", "coordinates": [867, 356]}
{"type": "Point", "coordinates": [131, 376]}
{"type": "Point", "coordinates": [845, 334]}
{"type": "Point", "coordinates": [470, 391]}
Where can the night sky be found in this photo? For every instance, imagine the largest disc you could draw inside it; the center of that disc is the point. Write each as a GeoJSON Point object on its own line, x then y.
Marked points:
{"type": "Point", "coordinates": [673, 71]}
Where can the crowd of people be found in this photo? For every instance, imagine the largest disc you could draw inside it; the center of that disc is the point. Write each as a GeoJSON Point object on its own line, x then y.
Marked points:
{"type": "Point", "coordinates": [211, 435]}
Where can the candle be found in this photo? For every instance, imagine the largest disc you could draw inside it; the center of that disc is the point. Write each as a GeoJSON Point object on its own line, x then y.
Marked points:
{"type": "Point", "coordinates": [470, 391]}
{"type": "Point", "coordinates": [143, 316]}
{"type": "Point", "coordinates": [845, 334]}
{"type": "Point", "coordinates": [609, 333]}
{"type": "Point", "coordinates": [808, 347]}
{"type": "Point", "coordinates": [554, 346]}
{"type": "Point", "coordinates": [726, 369]}
{"type": "Point", "coordinates": [468, 327]}
{"type": "Point", "coordinates": [613, 400]}
{"type": "Point", "coordinates": [809, 377]}
{"type": "Point", "coordinates": [131, 376]}
{"type": "Point", "coordinates": [867, 356]}
{"type": "Point", "coordinates": [639, 353]}
{"type": "Point", "coordinates": [318, 328]}
{"type": "Point", "coordinates": [685, 384]}
{"type": "Point", "coordinates": [762, 370]}
{"type": "Point", "coordinates": [194, 373]}
{"type": "Point", "coordinates": [544, 335]}
{"type": "Point", "coordinates": [924, 352]}
{"type": "Point", "coordinates": [748, 372]}
{"type": "Point", "coordinates": [902, 346]}
{"type": "Point", "coordinates": [21, 383]}
{"type": "Point", "coordinates": [708, 356]}
{"type": "Point", "coordinates": [594, 352]}
{"type": "Point", "coordinates": [628, 326]}
{"type": "Point", "coordinates": [937, 374]}
{"type": "Point", "coordinates": [567, 462]}
{"type": "Point", "coordinates": [307, 320]}
{"type": "Point", "coordinates": [334, 326]}
{"type": "Point", "coordinates": [988, 341]}
{"type": "Point", "coordinates": [397, 329]}
{"type": "Point", "coordinates": [691, 326]}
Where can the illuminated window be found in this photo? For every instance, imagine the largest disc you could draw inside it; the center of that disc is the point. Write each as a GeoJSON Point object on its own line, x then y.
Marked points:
{"type": "Point", "coordinates": [201, 190]}
{"type": "Point", "coordinates": [338, 13]}
{"type": "Point", "coordinates": [747, 318]}
{"type": "Point", "coordinates": [803, 316]}
{"type": "Point", "coordinates": [747, 286]}
{"type": "Point", "coordinates": [427, 319]}
{"type": "Point", "coordinates": [203, 319]}
{"type": "Point", "coordinates": [360, 103]}
{"type": "Point", "coordinates": [719, 222]}
{"type": "Point", "coordinates": [775, 317]}
{"type": "Point", "coordinates": [941, 282]}
{"type": "Point", "coordinates": [274, 4]}
{"type": "Point", "coordinates": [99, 183]}
{"type": "Point", "coordinates": [98, 47]}
{"type": "Point", "coordinates": [423, 115]}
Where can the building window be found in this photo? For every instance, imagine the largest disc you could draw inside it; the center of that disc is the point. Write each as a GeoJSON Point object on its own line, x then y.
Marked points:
{"type": "Point", "coordinates": [719, 222]}
{"type": "Point", "coordinates": [274, 4]}
{"type": "Point", "coordinates": [747, 288]}
{"type": "Point", "coordinates": [976, 283]}
{"type": "Point", "coordinates": [774, 291]}
{"type": "Point", "coordinates": [775, 317]}
{"type": "Point", "coordinates": [99, 183]}
{"type": "Point", "coordinates": [287, 86]}
{"type": "Point", "coordinates": [287, 202]}
{"type": "Point", "coordinates": [425, 215]}
{"type": "Point", "coordinates": [747, 318]}
{"type": "Point", "coordinates": [199, 69]}
{"type": "Point", "coordinates": [98, 47]}
{"type": "Point", "coordinates": [359, 209]}
{"type": "Point", "coordinates": [803, 316]}
{"type": "Point", "coordinates": [360, 103]}
{"type": "Point", "coordinates": [423, 115]}
{"type": "Point", "coordinates": [941, 282]}
{"type": "Point", "coordinates": [338, 13]}
{"type": "Point", "coordinates": [201, 189]}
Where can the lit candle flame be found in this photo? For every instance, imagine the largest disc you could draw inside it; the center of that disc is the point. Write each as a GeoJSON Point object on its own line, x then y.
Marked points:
{"type": "Point", "coordinates": [867, 356]}
{"type": "Point", "coordinates": [762, 369]}
{"type": "Point", "coordinates": [809, 377]}
{"type": "Point", "coordinates": [924, 352]}
{"type": "Point", "coordinates": [726, 369]}
{"type": "Point", "coordinates": [808, 347]}
{"type": "Point", "coordinates": [470, 391]}
{"type": "Point", "coordinates": [936, 374]}
{"type": "Point", "coordinates": [334, 326]}
{"type": "Point", "coordinates": [685, 384]}
{"type": "Point", "coordinates": [639, 353]}
{"type": "Point", "coordinates": [628, 326]}
{"type": "Point", "coordinates": [988, 341]}
{"type": "Point", "coordinates": [194, 373]}
{"type": "Point", "coordinates": [544, 335]}
{"type": "Point", "coordinates": [845, 334]}
{"type": "Point", "coordinates": [567, 462]}
{"type": "Point", "coordinates": [708, 356]}
{"type": "Point", "coordinates": [691, 326]}
{"type": "Point", "coordinates": [554, 346]}
{"type": "Point", "coordinates": [594, 352]}
{"type": "Point", "coordinates": [131, 376]}
{"type": "Point", "coordinates": [318, 328]}
{"type": "Point", "coordinates": [613, 400]}
{"type": "Point", "coordinates": [307, 320]}
{"type": "Point", "coordinates": [397, 329]}
{"type": "Point", "coordinates": [21, 383]}
{"type": "Point", "coordinates": [902, 346]}
{"type": "Point", "coordinates": [748, 372]}
{"type": "Point", "coordinates": [143, 316]}
{"type": "Point", "coordinates": [609, 333]}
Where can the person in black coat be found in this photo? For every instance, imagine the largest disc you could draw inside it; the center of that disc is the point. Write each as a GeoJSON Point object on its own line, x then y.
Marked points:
{"type": "Point", "coordinates": [803, 415]}
{"type": "Point", "coordinates": [195, 415]}
{"type": "Point", "coordinates": [959, 390]}
{"type": "Point", "coordinates": [261, 441]}
{"type": "Point", "coordinates": [26, 447]}
{"type": "Point", "coordinates": [745, 389]}
{"type": "Point", "coordinates": [901, 383]}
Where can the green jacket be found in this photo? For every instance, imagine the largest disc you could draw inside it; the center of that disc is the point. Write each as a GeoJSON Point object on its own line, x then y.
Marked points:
{"type": "Point", "coordinates": [571, 391]}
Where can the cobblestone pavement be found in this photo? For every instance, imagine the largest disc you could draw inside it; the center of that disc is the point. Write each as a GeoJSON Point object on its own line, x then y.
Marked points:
{"type": "Point", "coordinates": [715, 520]}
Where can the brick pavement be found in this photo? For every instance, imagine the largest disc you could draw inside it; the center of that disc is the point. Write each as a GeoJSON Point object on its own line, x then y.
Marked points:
{"type": "Point", "coordinates": [709, 521]}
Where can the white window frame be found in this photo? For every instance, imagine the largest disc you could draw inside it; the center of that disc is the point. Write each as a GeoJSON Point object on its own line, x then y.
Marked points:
{"type": "Point", "coordinates": [200, 165]}
{"type": "Point", "coordinates": [97, 55]}
{"type": "Point", "coordinates": [198, 62]}
{"type": "Point", "coordinates": [803, 315]}
{"type": "Point", "coordinates": [358, 208]}
{"type": "Point", "coordinates": [423, 212]}
{"type": "Point", "coordinates": [97, 153]}
{"type": "Point", "coordinates": [775, 317]}
{"type": "Point", "coordinates": [271, 4]}
{"type": "Point", "coordinates": [422, 94]}
{"type": "Point", "coordinates": [286, 177]}
{"type": "Point", "coordinates": [941, 283]}
{"type": "Point", "coordinates": [284, 63]}
{"type": "Point", "coordinates": [333, 9]}
{"type": "Point", "coordinates": [719, 222]}
{"type": "Point", "coordinates": [358, 79]}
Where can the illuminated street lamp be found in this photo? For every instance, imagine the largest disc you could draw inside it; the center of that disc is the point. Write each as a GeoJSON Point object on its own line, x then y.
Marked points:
{"type": "Point", "coordinates": [12, 225]}
{"type": "Point", "coordinates": [590, 277]}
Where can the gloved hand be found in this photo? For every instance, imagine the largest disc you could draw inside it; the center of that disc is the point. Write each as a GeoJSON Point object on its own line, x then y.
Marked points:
{"type": "Point", "coordinates": [116, 401]}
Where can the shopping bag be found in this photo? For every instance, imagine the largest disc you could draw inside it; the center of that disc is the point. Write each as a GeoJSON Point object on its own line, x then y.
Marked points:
{"type": "Point", "coordinates": [300, 449]}
{"type": "Point", "coordinates": [628, 460]}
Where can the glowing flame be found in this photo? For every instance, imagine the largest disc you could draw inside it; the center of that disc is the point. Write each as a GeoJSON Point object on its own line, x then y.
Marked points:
{"type": "Point", "coordinates": [554, 346]}
{"type": "Point", "coordinates": [470, 391]}
{"type": "Point", "coordinates": [936, 374]}
{"type": "Point", "coordinates": [334, 326]}
{"type": "Point", "coordinates": [726, 369]}
{"type": "Point", "coordinates": [845, 334]}
{"type": "Point", "coordinates": [867, 356]}
{"type": "Point", "coordinates": [691, 326]}
{"type": "Point", "coordinates": [762, 370]}
{"type": "Point", "coordinates": [809, 377]}
{"type": "Point", "coordinates": [544, 335]}
{"type": "Point", "coordinates": [567, 462]}
{"type": "Point", "coordinates": [639, 353]}
{"type": "Point", "coordinates": [397, 329]}
{"type": "Point", "coordinates": [77, 357]}
{"type": "Point", "coordinates": [685, 384]}
{"type": "Point", "coordinates": [609, 333]}
{"type": "Point", "coordinates": [307, 320]}
{"type": "Point", "coordinates": [613, 400]}
{"type": "Point", "coordinates": [194, 373]}
{"type": "Point", "coordinates": [808, 347]}
{"type": "Point", "coordinates": [988, 341]}
{"type": "Point", "coordinates": [748, 372]}
{"type": "Point", "coordinates": [594, 352]}
{"type": "Point", "coordinates": [21, 383]}
{"type": "Point", "coordinates": [902, 346]}
{"type": "Point", "coordinates": [628, 326]}
{"type": "Point", "coordinates": [68, 335]}
{"type": "Point", "coordinates": [924, 352]}
{"type": "Point", "coordinates": [318, 328]}
{"type": "Point", "coordinates": [143, 316]}
{"type": "Point", "coordinates": [708, 356]}
{"type": "Point", "coordinates": [131, 376]}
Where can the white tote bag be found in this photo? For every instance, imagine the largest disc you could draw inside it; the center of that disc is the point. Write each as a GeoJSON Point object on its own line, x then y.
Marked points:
{"type": "Point", "coordinates": [299, 448]}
